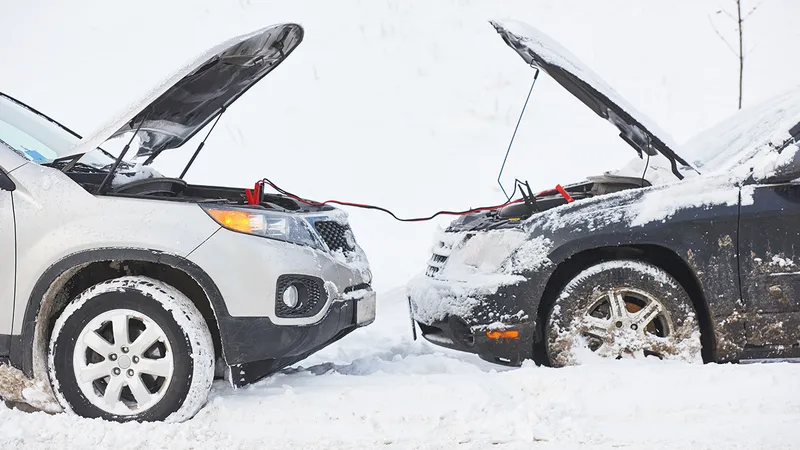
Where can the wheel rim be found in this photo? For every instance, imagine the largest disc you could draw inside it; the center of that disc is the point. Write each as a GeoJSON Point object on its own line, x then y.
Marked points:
{"type": "Point", "coordinates": [123, 362]}
{"type": "Point", "coordinates": [626, 322]}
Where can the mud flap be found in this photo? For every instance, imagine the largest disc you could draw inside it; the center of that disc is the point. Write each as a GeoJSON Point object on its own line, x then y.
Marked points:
{"type": "Point", "coordinates": [411, 316]}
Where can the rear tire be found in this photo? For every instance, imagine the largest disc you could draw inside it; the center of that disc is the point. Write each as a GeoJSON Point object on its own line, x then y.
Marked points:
{"type": "Point", "coordinates": [132, 349]}
{"type": "Point", "coordinates": [622, 309]}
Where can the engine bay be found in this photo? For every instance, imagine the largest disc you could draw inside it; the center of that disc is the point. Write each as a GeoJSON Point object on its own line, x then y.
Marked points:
{"type": "Point", "coordinates": [176, 189]}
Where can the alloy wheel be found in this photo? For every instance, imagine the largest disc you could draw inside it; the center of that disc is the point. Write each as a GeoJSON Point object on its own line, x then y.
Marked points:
{"type": "Point", "coordinates": [626, 322]}
{"type": "Point", "coordinates": [123, 362]}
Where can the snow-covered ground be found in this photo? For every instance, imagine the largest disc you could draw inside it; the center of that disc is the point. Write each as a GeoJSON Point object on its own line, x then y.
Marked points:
{"type": "Point", "coordinates": [379, 389]}
{"type": "Point", "coordinates": [410, 104]}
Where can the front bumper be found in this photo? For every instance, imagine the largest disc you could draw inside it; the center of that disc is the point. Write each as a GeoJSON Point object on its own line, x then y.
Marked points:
{"type": "Point", "coordinates": [454, 333]}
{"type": "Point", "coordinates": [255, 347]}
{"type": "Point", "coordinates": [451, 317]}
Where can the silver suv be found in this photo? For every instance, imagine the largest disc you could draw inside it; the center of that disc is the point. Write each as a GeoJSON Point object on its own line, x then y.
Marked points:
{"type": "Point", "coordinates": [126, 292]}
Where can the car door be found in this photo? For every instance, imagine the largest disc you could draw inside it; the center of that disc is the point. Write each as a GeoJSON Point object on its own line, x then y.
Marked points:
{"type": "Point", "coordinates": [769, 264]}
{"type": "Point", "coordinates": [8, 263]}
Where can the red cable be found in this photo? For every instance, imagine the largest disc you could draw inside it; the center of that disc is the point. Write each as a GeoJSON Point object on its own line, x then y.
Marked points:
{"type": "Point", "coordinates": [254, 195]}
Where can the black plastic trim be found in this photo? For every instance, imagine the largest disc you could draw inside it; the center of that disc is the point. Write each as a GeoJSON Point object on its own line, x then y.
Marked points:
{"type": "Point", "coordinates": [510, 352]}
{"type": "Point", "coordinates": [311, 291]}
{"type": "Point", "coordinates": [22, 354]}
{"type": "Point", "coordinates": [260, 348]}
{"type": "Point", "coordinates": [244, 340]}
{"type": "Point", "coordinates": [6, 183]}
{"type": "Point", "coordinates": [5, 345]}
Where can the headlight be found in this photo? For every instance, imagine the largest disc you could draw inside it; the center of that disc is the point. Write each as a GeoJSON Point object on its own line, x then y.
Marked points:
{"type": "Point", "coordinates": [269, 224]}
{"type": "Point", "coordinates": [487, 251]}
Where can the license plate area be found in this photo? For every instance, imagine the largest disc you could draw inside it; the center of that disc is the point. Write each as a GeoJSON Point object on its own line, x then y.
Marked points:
{"type": "Point", "coordinates": [365, 309]}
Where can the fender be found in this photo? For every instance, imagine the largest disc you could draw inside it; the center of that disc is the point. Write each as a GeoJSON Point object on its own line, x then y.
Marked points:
{"type": "Point", "coordinates": [22, 346]}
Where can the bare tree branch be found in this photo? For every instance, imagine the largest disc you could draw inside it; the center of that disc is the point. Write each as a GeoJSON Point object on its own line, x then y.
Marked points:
{"type": "Point", "coordinates": [741, 50]}
{"type": "Point", "coordinates": [753, 10]}
{"type": "Point", "coordinates": [722, 11]}
{"type": "Point", "coordinates": [727, 44]}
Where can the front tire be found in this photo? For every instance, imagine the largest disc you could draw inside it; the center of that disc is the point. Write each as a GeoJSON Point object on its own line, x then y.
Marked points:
{"type": "Point", "coordinates": [132, 348]}
{"type": "Point", "coordinates": [622, 309]}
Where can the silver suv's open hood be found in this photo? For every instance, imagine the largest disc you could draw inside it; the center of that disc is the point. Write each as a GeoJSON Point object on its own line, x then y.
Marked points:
{"type": "Point", "coordinates": [539, 50]}
{"type": "Point", "coordinates": [186, 102]}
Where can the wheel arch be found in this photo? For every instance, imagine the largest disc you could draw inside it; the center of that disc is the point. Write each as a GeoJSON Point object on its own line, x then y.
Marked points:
{"type": "Point", "coordinates": [657, 255]}
{"type": "Point", "coordinates": [73, 274]}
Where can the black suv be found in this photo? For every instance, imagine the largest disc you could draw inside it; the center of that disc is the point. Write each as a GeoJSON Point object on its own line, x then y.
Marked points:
{"type": "Point", "coordinates": [695, 259]}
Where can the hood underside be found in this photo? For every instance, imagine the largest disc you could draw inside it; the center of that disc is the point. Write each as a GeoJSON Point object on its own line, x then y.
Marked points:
{"type": "Point", "coordinates": [186, 102]}
{"type": "Point", "coordinates": [539, 50]}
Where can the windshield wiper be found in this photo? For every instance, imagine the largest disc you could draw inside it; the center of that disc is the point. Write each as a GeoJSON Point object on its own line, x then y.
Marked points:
{"type": "Point", "coordinates": [72, 163]}
{"type": "Point", "coordinates": [71, 160]}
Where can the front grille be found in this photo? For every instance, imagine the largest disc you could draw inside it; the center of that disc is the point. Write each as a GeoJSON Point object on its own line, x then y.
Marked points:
{"type": "Point", "coordinates": [311, 291]}
{"type": "Point", "coordinates": [357, 287]}
{"type": "Point", "coordinates": [443, 249]}
{"type": "Point", "coordinates": [337, 237]}
{"type": "Point", "coordinates": [440, 254]}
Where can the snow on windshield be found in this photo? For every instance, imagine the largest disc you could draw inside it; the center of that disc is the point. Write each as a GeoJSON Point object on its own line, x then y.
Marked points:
{"type": "Point", "coordinates": [743, 135]}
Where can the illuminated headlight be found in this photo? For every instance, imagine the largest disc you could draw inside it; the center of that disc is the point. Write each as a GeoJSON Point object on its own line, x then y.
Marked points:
{"type": "Point", "coordinates": [269, 224]}
{"type": "Point", "coordinates": [290, 296]}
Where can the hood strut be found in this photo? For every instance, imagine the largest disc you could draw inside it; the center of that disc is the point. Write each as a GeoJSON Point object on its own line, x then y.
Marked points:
{"type": "Point", "coordinates": [116, 164]}
{"type": "Point", "coordinates": [514, 135]}
{"type": "Point", "coordinates": [200, 146]}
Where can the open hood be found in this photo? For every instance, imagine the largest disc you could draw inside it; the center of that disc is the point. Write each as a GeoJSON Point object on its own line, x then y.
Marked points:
{"type": "Point", "coordinates": [186, 102]}
{"type": "Point", "coordinates": [539, 50]}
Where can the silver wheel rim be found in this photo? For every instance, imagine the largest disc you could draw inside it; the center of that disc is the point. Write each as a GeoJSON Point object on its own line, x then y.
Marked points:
{"type": "Point", "coordinates": [626, 322]}
{"type": "Point", "coordinates": [123, 362]}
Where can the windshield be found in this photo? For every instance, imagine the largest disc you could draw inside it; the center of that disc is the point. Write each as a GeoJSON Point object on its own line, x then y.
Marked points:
{"type": "Point", "coordinates": [39, 139]}
{"type": "Point", "coordinates": [739, 138]}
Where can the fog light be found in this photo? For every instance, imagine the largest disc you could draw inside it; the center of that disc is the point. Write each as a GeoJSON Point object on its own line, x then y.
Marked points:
{"type": "Point", "coordinates": [290, 296]}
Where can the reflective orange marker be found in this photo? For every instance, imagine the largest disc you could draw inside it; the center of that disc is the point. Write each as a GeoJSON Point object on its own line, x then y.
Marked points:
{"type": "Point", "coordinates": [508, 334]}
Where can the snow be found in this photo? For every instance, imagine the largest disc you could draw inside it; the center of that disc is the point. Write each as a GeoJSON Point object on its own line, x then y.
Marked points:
{"type": "Point", "coordinates": [16, 387]}
{"type": "Point", "coordinates": [138, 172]}
{"type": "Point", "coordinates": [378, 388]}
{"type": "Point", "coordinates": [782, 262]}
{"type": "Point", "coordinates": [478, 264]}
{"type": "Point", "coordinates": [410, 105]}
{"type": "Point", "coordinates": [662, 203]}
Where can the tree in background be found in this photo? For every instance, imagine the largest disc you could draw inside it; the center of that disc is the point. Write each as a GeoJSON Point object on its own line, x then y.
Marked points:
{"type": "Point", "coordinates": [739, 19]}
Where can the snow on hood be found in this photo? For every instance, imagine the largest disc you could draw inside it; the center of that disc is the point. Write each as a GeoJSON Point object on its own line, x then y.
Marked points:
{"type": "Point", "coordinates": [183, 104]}
{"type": "Point", "coordinates": [539, 50]}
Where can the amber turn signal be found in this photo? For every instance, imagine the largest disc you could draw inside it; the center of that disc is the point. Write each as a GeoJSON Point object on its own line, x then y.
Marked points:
{"type": "Point", "coordinates": [232, 219]}
{"type": "Point", "coordinates": [508, 334]}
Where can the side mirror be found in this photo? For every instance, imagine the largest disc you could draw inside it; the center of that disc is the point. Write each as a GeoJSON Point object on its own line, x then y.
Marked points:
{"type": "Point", "coordinates": [6, 184]}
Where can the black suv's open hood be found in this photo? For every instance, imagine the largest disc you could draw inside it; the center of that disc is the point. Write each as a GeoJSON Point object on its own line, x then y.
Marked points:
{"type": "Point", "coordinates": [539, 50]}
{"type": "Point", "coordinates": [182, 105]}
